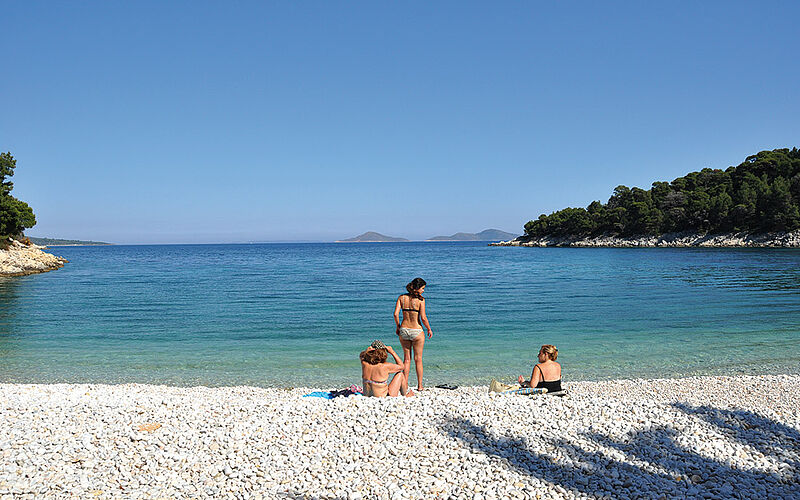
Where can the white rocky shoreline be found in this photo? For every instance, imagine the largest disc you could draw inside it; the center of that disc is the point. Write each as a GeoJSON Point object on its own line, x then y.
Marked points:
{"type": "Point", "coordinates": [726, 240]}
{"type": "Point", "coordinates": [21, 260]}
{"type": "Point", "coordinates": [698, 437]}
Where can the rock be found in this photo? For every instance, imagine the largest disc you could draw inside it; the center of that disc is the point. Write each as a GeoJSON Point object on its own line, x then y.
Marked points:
{"type": "Point", "coordinates": [686, 239]}
{"type": "Point", "coordinates": [19, 260]}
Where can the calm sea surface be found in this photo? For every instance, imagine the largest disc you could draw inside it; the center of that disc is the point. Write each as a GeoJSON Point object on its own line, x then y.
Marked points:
{"type": "Point", "coordinates": [298, 314]}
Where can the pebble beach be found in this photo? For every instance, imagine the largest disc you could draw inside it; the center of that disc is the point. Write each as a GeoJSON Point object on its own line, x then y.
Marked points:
{"type": "Point", "coordinates": [699, 437]}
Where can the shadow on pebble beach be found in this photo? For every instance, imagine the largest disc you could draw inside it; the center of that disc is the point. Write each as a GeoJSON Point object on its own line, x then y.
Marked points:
{"type": "Point", "coordinates": [651, 463]}
{"type": "Point", "coordinates": [769, 437]}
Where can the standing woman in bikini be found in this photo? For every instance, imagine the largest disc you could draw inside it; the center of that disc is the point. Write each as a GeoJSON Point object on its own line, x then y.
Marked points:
{"type": "Point", "coordinates": [409, 330]}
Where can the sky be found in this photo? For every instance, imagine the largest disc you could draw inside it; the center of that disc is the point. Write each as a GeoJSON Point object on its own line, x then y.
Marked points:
{"type": "Point", "coordinates": [207, 122]}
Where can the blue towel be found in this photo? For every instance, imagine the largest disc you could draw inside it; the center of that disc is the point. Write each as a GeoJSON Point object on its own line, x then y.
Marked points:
{"type": "Point", "coordinates": [526, 391]}
{"type": "Point", "coordinates": [319, 394]}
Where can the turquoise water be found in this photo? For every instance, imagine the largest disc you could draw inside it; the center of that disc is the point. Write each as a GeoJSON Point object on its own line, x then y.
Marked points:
{"type": "Point", "coordinates": [298, 314]}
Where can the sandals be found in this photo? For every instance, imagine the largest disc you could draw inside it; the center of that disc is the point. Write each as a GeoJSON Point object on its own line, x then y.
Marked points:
{"type": "Point", "coordinates": [447, 386]}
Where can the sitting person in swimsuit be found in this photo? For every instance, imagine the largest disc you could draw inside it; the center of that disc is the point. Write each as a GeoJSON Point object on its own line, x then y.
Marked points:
{"type": "Point", "coordinates": [547, 373]}
{"type": "Point", "coordinates": [375, 373]}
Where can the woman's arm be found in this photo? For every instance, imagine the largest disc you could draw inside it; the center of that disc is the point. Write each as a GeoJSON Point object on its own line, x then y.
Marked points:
{"type": "Point", "coordinates": [397, 316]}
{"type": "Point", "coordinates": [398, 364]}
{"type": "Point", "coordinates": [393, 368]}
{"type": "Point", "coordinates": [535, 378]}
{"type": "Point", "coordinates": [394, 355]}
{"type": "Point", "coordinates": [424, 318]}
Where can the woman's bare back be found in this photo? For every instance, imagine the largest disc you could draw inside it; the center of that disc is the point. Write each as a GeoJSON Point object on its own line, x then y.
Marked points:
{"type": "Point", "coordinates": [411, 308]}
{"type": "Point", "coordinates": [375, 379]}
{"type": "Point", "coordinates": [550, 370]}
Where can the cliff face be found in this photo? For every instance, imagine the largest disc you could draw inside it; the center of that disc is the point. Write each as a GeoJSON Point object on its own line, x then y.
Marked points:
{"type": "Point", "coordinates": [771, 240]}
{"type": "Point", "coordinates": [20, 260]}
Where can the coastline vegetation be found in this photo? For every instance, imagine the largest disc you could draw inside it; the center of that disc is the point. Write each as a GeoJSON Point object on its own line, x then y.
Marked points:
{"type": "Point", "coordinates": [761, 195]}
{"type": "Point", "coordinates": [15, 215]}
{"type": "Point", "coordinates": [63, 242]}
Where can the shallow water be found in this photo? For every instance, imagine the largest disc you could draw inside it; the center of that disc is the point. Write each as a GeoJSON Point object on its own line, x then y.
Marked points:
{"type": "Point", "coordinates": [298, 314]}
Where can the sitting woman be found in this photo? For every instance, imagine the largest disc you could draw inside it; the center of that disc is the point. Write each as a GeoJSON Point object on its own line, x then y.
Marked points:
{"type": "Point", "coordinates": [375, 373]}
{"type": "Point", "coordinates": [547, 373]}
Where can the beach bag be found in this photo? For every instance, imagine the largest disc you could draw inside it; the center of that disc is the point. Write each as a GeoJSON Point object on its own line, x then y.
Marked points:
{"type": "Point", "coordinates": [496, 386]}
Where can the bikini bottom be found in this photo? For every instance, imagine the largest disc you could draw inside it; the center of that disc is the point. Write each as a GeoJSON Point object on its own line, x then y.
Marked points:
{"type": "Point", "coordinates": [409, 333]}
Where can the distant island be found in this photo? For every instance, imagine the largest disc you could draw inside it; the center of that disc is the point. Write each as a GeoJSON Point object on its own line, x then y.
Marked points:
{"type": "Point", "coordinates": [485, 235]}
{"type": "Point", "coordinates": [371, 237]}
{"type": "Point", "coordinates": [48, 242]}
{"type": "Point", "coordinates": [756, 203]}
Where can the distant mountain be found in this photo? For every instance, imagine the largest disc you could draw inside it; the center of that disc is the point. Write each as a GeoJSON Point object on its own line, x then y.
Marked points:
{"type": "Point", "coordinates": [485, 235]}
{"type": "Point", "coordinates": [371, 237]}
{"type": "Point", "coordinates": [57, 241]}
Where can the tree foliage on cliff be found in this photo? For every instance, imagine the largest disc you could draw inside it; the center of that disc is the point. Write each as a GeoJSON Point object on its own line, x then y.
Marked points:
{"type": "Point", "coordinates": [15, 215]}
{"type": "Point", "coordinates": [760, 195]}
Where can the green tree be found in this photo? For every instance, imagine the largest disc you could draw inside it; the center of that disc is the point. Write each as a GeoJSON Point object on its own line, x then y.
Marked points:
{"type": "Point", "coordinates": [761, 194]}
{"type": "Point", "coordinates": [780, 212]}
{"type": "Point", "coordinates": [597, 213]}
{"type": "Point", "coordinates": [7, 165]}
{"type": "Point", "coordinates": [15, 215]}
{"type": "Point", "coordinates": [699, 207]}
{"type": "Point", "coordinates": [721, 206]}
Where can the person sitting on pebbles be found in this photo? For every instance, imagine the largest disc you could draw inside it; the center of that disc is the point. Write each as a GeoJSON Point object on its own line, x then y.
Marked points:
{"type": "Point", "coordinates": [375, 372]}
{"type": "Point", "coordinates": [547, 373]}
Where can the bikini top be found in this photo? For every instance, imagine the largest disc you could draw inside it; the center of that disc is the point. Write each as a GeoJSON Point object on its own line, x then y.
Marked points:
{"type": "Point", "coordinates": [375, 382]}
{"type": "Point", "coordinates": [410, 309]}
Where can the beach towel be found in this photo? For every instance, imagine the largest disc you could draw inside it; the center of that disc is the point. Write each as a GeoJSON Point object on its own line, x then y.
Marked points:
{"type": "Point", "coordinates": [350, 391]}
{"type": "Point", "coordinates": [526, 391]}
{"type": "Point", "coordinates": [319, 394]}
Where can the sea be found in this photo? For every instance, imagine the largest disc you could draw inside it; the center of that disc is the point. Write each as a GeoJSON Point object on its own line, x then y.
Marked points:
{"type": "Point", "coordinates": [298, 314]}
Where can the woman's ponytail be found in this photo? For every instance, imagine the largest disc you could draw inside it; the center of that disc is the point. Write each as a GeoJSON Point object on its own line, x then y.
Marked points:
{"type": "Point", "coordinates": [414, 287]}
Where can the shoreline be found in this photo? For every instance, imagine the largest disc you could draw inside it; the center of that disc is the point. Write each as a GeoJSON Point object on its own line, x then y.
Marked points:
{"type": "Point", "coordinates": [670, 240]}
{"type": "Point", "coordinates": [693, 436]}
{"type": "Point", "coordinates": [777, 372]}
{"type": "Point", "coordinates": [78, 245]}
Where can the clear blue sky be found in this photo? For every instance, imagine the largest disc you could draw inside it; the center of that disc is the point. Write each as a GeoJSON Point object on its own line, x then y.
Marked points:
{"type": "Point", "coordinates": [139, 122]}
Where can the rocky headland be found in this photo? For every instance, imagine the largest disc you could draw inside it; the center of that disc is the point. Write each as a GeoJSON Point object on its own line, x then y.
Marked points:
{"type": "Point", "coordinates": [685, 239]}
{"type": "Point", "coordinates": [20, 260]}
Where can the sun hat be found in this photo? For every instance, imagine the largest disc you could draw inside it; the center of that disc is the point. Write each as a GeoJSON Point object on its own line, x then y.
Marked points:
{"type": "Point", "coordinates": [377, 344]}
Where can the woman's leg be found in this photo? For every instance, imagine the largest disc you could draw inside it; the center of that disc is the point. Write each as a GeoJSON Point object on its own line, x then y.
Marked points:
{"type": "Point", "coordinates": [418, 344]}
{"type": "Point", "coordinates": [406, 356]}
{"type": "Point", "coordinates": [399, 385]}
